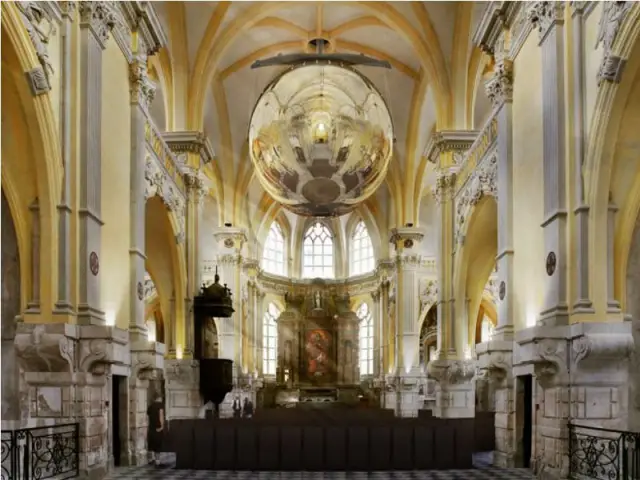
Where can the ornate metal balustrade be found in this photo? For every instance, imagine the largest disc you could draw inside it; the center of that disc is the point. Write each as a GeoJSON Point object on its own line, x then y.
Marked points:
{"type": "Point", "coordinates": [41, 453]}
{"type": "Point", "coordinates": [601, 453]}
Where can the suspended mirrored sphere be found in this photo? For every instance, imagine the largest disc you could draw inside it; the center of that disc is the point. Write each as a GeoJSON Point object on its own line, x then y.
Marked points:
{"type": "Point", "coordinates": [321, 139]}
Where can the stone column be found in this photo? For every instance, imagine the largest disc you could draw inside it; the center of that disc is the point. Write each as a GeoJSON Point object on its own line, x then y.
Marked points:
{"type": "Point", "coordinates": [96, 22]}
{"type": "Point", "coordinates": [251, 268]}
{"type": "Point", "coordinates": [455, 393]}
{"type": "Point", "coordinates": [495, 356]}
{"type": "Point", "coordinates": [259, 313]}
{"type": "Point", "coordinates": [495, 365]}
{"type": "Point", "coordinates": [143, 367]}
{"type": "Point", "coordinates": [443, 194]}
{"type": "Point", "coordinates": [500, 92]}
{"type": "Point", "coordinates": [582, 303]}
{"type": "Point", "coordinates": [141, 92]}
{"type": "Point", "coordinates": [182, 384]}
{"type": "Point", "coordinates": [194, 151]}
{"type": "Point", "coordinates": [377, 335]}
{"type": "Point", "coordinates": [613, 306]}
{"type": "Point", "coordinates": [384, 326]}
{"type": "Point", "coordinates": [229, 264]}
{"type": "Point", "coordinates": [548, 18]}
{"type": "Point", "coordinates": [33, 304]}
{"type": "Point", "coordinates": [63, 302]}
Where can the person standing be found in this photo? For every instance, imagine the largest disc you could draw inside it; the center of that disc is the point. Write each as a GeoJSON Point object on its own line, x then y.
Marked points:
{"type": "Point", "coordinates": [155, 431]}
{"type": "Point", "coordinates": [247, 408]}
{"type": "Point", "coordinates": [237, 408]}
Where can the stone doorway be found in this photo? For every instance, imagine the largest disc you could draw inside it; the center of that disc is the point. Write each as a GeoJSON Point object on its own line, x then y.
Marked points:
{"type": "Point", "coordinates": [119, 430]}
{"type": "Point", "coordinates": [524, 421]}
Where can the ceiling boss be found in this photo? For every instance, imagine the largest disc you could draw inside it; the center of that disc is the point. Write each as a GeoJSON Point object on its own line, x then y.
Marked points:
{"type": "Point", "coordinates": [321, 135]}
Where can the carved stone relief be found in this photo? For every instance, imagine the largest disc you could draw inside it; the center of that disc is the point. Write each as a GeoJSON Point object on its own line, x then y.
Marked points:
{"type": "Point", "coordinates": [157, 183]}
{"type": "Point", "coordinates": [428, 293]}
{"type": "Point", "coordinates": [613, 14]}
{"type": "Point", "coordinates": [40, 26]}
{"type": "Point", "coordinates": [99, 17]}
{"type": "Point", "coordinates": [445, 186]}
{"type": "Point", "coordinates": [483, 181]}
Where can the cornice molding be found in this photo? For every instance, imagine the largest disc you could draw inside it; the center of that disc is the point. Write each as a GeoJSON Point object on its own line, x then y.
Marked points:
{"type": "Point", "coordinates": [497, 17]}
{"type": "Point", "coordinates": [456, 141]}
{"type": "Point", "coordinates": [191, 142]}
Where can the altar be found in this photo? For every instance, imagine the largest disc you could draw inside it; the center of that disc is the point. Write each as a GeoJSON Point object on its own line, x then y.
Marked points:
{"type": "Point", "coordinates": [317, 347]}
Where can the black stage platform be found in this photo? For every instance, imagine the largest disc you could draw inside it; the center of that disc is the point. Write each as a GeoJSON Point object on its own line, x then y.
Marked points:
{"type": "Point", "coordinates": [326, 440]}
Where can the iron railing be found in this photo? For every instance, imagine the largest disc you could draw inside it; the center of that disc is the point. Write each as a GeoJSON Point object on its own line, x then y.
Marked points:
{"type": "Point", "coordinates": [603, 454]}
{"type": "Point", "coordinates": [41, 453]}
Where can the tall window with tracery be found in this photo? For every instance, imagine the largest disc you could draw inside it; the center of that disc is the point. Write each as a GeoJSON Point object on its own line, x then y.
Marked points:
{"type": "Point", "coordinates": [317, 255]}
{"type": "Point", "coordinates": [361, 253]}
{"type": "Point", "coordinates": [273, 258]}
{"type": "Point", "coordinates": [366, 339]}
{"type": "Point", "coordinates": [270, 340]}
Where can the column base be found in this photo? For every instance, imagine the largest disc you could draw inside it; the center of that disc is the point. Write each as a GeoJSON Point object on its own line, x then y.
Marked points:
{"type": "Point", "coordinates": [495, 359]}
{"type": "Point", "coordinates": [403, 393]}
{"type": "Point", "coordinates": [183, 399]}
{"type": "Point", "coordinates": [582, 375]}
{"type": "Point", "coordinates": [455, 390]}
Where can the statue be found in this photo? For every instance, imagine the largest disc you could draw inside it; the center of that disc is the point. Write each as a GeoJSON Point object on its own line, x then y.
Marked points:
{"type": "Point", "coordinates": [210, 336]}
{"type": "Point", "coordinates": [317, 300]}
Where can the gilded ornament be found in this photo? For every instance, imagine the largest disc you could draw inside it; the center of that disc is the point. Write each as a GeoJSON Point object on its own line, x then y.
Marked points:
{"type": "Point", "coordinates": [322, 148]}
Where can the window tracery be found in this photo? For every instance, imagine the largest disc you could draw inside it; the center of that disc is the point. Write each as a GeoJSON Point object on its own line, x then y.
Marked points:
{"type": "Point", "coordinates": [366, 339]}
{"type": "Point", "coordinates": [317, 252]}
{"type": "Point", "coordinates": [270, 340]}
{"type": "Point", "coordinates": [361, 254]}
{"type": "Point", "coordinates": [273, 255]}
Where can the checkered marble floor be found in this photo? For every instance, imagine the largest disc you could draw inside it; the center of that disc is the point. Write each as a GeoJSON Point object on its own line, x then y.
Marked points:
{"type": "Point", "coordinates": [166, 472]}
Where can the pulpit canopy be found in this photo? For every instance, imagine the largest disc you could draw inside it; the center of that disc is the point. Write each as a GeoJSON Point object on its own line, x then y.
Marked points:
{"type": "Point", "coordinates": [215, 299]}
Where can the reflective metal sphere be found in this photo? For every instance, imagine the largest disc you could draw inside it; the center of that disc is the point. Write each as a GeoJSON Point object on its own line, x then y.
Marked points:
{"type": "Point", "coordinates": [321, 139]}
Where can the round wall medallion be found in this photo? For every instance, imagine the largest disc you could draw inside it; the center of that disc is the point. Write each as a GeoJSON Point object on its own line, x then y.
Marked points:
{"type": "Point", "coordinates": [228, 243]}
{"type": "Point", "coordinates": [140, 291]}
{"type": "Point", "coordinates": [94, 263]}
{"type": "Point", "coordinates": [551, 263]}
{"type": "Point", "coordinates": [503, 290]}
{"type": "Point", "coordinates": [408, 243]}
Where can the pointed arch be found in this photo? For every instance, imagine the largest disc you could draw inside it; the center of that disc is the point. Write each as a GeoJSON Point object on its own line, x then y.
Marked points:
{"type": "Point", "coordinates": [35, 117]}
{"type": "Point", "coordinates": [274, 251]}
{"type": "Point", "coordinates": [361, 255]}
{"type": "Point", "coordinates": [318, 251]}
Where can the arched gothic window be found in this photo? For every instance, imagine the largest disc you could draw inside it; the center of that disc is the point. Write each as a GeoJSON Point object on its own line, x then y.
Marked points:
{"type": "Point", "coordinates": [361, 254]}
{"type": "Point", "coordinates": [366, 339]}
{"type": "Point", "coordinates": [486, 330]}
{"type": "Point", "coordinates": [270, 340]}
{"type": "Point", "coordinates": [273, 258]}
{"type": "Point", "coordinates": [317, 255]}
